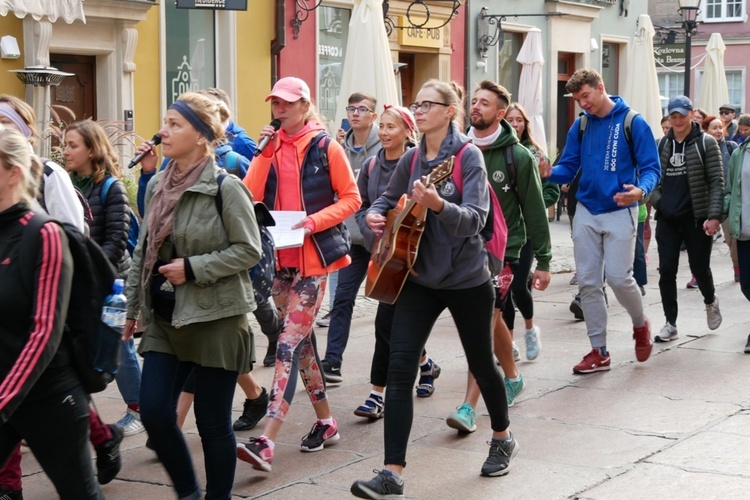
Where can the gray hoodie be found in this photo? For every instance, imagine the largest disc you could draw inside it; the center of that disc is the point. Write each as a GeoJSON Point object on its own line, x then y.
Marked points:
{"type": "Point", "coordinates": [452, 254]}
{"type": "Point", "coordinates": [357, 159]}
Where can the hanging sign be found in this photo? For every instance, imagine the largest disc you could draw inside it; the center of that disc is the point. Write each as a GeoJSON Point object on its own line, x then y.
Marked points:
{"type": "Point", "coordinates": [419, 37]}
{"type": "Point", "coordinates": [212, 4]}
{"type": "Point", "coordinates": [669, 54]}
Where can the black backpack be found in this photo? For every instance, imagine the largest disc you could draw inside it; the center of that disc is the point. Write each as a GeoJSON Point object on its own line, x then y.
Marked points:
{"type": "Point", "coordinates": [93, 277]}
{"type": "Point", "coordinates": [88, 217]}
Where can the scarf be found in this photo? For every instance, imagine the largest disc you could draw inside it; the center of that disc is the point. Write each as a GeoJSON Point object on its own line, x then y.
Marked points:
{"type": "Point", "coordinates": [483, 142]}
{"type": "Point", "coordinates": [161, 212]}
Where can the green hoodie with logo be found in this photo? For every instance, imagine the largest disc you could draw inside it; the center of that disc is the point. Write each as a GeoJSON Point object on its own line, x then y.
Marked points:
{"type": "Point", "coordinates": [524, 210]}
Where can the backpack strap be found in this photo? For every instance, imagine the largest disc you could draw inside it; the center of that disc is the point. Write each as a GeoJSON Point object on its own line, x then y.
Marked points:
{"type": "Point", "coordinates": [702, 148]}
{"type": "Point", "coordinates": [629, 130]}
{"type": "Point", "coordinates": [582, 124]}
{"type": "Point", "coordinates": [458, 180]}
{"type": "Point", "coordinates": [218, 199]}
{"type": "Point", "coordinates": [510, 165]}
{"type": "Point", "coordinates": [371, 166]}
{"type": "Point", "coordinates": [231, 163]}
{"type": "Point", "coordinates": [105, 191]}
{"type": "Point", "coordinates": [29, 247]}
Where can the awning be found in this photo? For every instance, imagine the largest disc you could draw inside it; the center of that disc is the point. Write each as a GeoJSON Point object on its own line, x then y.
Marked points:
{"type": "Point", "coordinates": [67, 10]}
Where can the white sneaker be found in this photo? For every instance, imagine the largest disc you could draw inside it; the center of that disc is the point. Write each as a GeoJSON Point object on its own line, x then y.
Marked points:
{"type": "Point", "coordinates": [713, 314]}
{"type": "Point", "coordinates": [533, 339]}
{"type": "Point", "coordinates": [516, 353]}
{"type": "Point", "coordinates": [667, 333]}
{"type": "Point", "coordinates": [131, 423]}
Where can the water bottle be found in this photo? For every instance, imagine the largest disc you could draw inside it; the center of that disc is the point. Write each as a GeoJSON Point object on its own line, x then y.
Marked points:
{"type": "Point", "coordinates": [113, 319]}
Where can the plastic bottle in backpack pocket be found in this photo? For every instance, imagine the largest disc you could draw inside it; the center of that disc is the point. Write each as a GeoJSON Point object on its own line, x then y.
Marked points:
{"type": "Point", "coordinates": [113, 324]}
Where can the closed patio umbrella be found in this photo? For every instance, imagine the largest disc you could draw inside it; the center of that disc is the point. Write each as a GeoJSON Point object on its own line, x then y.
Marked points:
{"type": "Point", "coordinates": [367, 64]}
{"type": "Point", "coordinates": [530, 85]}
{"type": "Point", "coordinates": [642, 85]}
{"type": "Point", "coordinates": [714, 89]}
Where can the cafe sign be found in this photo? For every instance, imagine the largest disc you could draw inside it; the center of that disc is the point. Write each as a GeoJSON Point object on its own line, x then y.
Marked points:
{"type": "Point", "coordinates": [212, 4]}
{"type": "Point", "coordinates": [669, 54]}
{"type": "Point", "coordinates": [414, 36]}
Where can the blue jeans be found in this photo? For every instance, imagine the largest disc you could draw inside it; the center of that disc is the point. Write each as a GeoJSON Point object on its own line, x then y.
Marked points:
{"type": "Point", "coordinates": [349, 280]}
{"type": "Point", "coordinates": [163, 378]}
{"type": "Point", "coordinates": [333, 283]}
{"type": "Point", "coordinates": [639, 263]}
{"type": "Point", "coordinates": [128, 376]}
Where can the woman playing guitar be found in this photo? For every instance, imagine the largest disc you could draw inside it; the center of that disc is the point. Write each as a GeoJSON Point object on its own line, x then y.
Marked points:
{"type": "Point", "coordinates": [451, 271]}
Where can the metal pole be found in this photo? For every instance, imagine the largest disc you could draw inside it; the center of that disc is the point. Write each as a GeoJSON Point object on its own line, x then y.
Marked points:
{"type": "Point", "coordinates": [688, 46]}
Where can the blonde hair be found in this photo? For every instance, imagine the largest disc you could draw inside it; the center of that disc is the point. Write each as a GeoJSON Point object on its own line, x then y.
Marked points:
{"type": "Point", "coordinates": [219, 96]}
{"type": "Point", "coordinates": [25, 111]}
{"type": "Point", "coordinates": [14, 151]}
{"type": "Point", "coordinates": [103, 154]}
{"type": "Point", "coordinates": [211, 112]}
{"type": "Point", "coordinates": [449, 95]}
{"type": "Point", "coordinates": [412, 134]}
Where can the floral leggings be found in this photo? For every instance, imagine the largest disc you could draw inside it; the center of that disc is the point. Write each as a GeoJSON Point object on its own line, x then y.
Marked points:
{"type": "Point", "coordinates": [298, 300]}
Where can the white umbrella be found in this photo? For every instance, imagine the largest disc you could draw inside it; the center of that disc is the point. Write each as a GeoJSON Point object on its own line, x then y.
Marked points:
{"type": "Point", "coordinates": [530, 85]}
{"type": "Point", "coordinates": [367, 64]}
{"type": "Point", "coordinates": [641, 90]}
{"type": "Point", "coordinates": [714, 89]}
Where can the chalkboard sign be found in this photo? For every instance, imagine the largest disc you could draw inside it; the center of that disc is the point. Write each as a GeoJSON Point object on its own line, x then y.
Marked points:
{"type": "Point", "coordinates": [212, 4]}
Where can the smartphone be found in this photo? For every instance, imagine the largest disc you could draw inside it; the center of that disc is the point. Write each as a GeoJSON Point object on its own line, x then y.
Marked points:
{"type": "Point", "coordinates": [345, 125]}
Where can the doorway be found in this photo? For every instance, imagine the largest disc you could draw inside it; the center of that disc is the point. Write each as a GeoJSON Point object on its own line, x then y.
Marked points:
{"type": "Point", "coordinates": [407, 77]}
{"type": "Point", "coordinates": [77, 93]}
{"type": "Point", "coordinates": [566, 63]}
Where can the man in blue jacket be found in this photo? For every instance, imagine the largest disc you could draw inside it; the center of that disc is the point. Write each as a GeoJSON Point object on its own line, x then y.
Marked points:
{"type": "Point", "coordinates": [619, 168]}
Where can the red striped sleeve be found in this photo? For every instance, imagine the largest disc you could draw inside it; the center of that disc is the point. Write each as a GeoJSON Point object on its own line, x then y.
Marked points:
{"type": "Point", "coordinates": [43, 320]}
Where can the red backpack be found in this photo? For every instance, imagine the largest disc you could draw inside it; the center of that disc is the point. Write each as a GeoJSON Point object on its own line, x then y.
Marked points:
{"type": "Point", "coordinates": [495, 231]}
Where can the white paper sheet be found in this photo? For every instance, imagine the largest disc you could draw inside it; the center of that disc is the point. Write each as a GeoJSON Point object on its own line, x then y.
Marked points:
{"type": "Point", "coordinates": [283, 234]}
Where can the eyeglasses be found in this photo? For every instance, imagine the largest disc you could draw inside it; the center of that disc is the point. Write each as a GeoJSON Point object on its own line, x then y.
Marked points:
{"type": "Point", "coordinates": [424, 106]}
{"type": "Point", "coordinates": [361, 110]}
{"type": "Point", "coordinates": [725, 112]}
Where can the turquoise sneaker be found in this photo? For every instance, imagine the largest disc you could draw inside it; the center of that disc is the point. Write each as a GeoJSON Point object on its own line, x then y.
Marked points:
{"type": "Point", "coordinates": [513, 389]}
{"type": "Point", "coordinates": [463, 420]}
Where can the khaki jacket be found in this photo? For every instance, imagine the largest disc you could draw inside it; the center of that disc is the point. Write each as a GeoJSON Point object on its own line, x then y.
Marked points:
{"type": "Point", "coordinates": [220, 251]}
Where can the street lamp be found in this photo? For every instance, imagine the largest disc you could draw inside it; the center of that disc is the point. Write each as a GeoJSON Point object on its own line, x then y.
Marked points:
{"type": "Point", "coordinates": [689, 12]}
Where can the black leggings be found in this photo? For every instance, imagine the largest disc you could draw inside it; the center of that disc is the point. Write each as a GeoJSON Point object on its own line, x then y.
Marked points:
{"type": "Point", "coordinates": [520, 289]}
{"type": "Point", "coordinates": [417, 309]}
{"type": "Point", "coordinates": [56, 426]}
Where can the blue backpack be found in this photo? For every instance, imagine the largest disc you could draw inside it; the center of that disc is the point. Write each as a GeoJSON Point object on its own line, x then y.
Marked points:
{"type": "Point", "coordinates": [135, 226]}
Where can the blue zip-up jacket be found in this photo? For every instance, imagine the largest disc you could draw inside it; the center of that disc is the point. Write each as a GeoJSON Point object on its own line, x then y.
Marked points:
{"type": "Point", "coordinates": [605, 159]}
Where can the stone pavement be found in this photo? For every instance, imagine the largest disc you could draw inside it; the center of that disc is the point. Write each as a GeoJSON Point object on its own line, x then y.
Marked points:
{"type": "Point", "coordinates": [677, 425]}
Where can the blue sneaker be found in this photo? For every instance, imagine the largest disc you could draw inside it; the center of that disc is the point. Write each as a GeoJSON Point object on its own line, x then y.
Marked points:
{"type": "Point", "coordinates": [533, 339]}
{"type": "Point", "coordinates": [463, 420]}
{"type": "Point", "coordinates": [513, 388]}
{"type": "Point", "coordinates": [427, 376]}
{"type": "Point", "coordinates": [373, 408]}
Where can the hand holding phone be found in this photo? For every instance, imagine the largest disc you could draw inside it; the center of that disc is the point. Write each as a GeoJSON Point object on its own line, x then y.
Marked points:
{"type": "Point", "coordinates": [345, 125]}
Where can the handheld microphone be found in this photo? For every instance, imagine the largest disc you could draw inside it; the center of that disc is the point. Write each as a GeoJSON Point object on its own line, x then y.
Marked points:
{"type": "Point", "coordinates": [155, 141]}
{"type": "Point", "coordinates": [276, 124]}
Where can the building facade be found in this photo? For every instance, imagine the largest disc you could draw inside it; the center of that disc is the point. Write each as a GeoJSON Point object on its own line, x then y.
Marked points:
{"type": "Point", "coordinates": [727, 17]}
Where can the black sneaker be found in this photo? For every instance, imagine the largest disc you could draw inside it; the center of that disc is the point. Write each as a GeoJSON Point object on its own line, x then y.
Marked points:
{"type": "Point", "coordinates": [270, 358]}
{"type": "Point", "coordinates": [252, 412]}
{"type": "Point", "coordinates": [501, 452]}
{"type": "Point", "coordinates": [747, 346]}
{"type": "Point", "coordinates": [385, 485]}
{"type": "Point", "coordinates": [11, 494]}
{"type": "Point", "coordinates": [332, 372]}
{"type": "Point", "coordinates": [108, 461]}
{"type": "Point", "coordinates": [576, 309]}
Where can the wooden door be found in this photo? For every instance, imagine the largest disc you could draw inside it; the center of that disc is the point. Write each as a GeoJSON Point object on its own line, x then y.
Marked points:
{"type": "Point", "coordinates": [77, 92]}
{"type": "Point", "coordinates": [407, 78]}
{"type": "Point", "coordinates": [566, 63]}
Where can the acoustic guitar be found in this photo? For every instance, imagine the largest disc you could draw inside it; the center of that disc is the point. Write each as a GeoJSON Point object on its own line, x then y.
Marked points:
{"type": "Point", "coordinates": [395, 252]}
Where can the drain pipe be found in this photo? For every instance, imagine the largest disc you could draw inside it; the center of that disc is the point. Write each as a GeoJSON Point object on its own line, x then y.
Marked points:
{"type": "Point", "coordinates": [278, 43]}
{"type": "Point", "coordinates": [467, 53]}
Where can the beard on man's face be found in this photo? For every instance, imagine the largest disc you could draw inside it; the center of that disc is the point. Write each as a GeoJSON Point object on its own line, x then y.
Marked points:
{"type": "Point", "coordinates": [480, 123]}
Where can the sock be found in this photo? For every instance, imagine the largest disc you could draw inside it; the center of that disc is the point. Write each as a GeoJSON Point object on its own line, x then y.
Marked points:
{"type": "Point", "coordinates": [326, 421]}
{"type": "Point", "coordinates": [268, 441]}
{"type": "Point", "coordinates": [426, 365]}
{"type": "Point", "coordinates": [136, 407]}
{"type": "Point", "coordinates": [517, 379]}
{"type": "Point", "coordinates": [395, 475]}
{"type": "Point", "coordinates": [503, 439]}
{"type": "Point", "coordinates": [377, 396]}
{"type": "Point", "coordinates": [603, 351]}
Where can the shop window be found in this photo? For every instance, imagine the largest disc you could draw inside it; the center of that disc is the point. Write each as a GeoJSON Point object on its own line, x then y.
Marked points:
{"type": "Point", "coordinates": [723, 10]}
{"type": "Point", "coordinates": [610, 67]}
{"type": "Point", "coordinates": [190, 49]}
{"type": "Point", "coordinates": [670, 85]}
{"type": "Point", "coordinates": [333, 32]}
{"type": "Point", "coordinates": [508, 69]}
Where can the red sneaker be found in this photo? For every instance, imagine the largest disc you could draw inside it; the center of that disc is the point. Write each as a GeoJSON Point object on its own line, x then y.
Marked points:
{"type": "Point", "coordinates": [592, 362]}
{"type": "Point", "coordinates": [643, 342]}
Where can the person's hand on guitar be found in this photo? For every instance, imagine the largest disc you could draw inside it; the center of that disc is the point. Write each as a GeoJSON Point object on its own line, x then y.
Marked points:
{"type": "Point", "coordinates": [427, 196]}
{"type": "Point", "coordinates": [376, 223]}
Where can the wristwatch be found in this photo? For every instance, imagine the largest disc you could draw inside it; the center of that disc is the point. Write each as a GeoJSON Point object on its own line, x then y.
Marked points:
{"type": "Point", "coordinates": [643, 193]}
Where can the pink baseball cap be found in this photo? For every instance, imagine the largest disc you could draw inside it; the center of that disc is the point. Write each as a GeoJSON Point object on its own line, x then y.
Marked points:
{"type": "Point", "coordinates": [290, 89]}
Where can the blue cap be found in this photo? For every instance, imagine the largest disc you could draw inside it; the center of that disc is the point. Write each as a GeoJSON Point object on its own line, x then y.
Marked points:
{"type": "Point", "coordinates": [680, 104]}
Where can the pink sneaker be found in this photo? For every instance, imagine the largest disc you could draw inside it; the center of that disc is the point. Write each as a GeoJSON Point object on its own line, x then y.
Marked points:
{"type": "Point", "coordinates": [592, 362]}
{"type": "Point", "coordinates": [257, 453]}
{"type": "Point", "coordinates": [643, 342]}
{"type": "Point", "coordinates": [319, 436]}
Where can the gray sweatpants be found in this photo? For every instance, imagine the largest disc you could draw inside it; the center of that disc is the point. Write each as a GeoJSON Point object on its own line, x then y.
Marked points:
{"type": "Point", "coordinates": [605, 244]}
